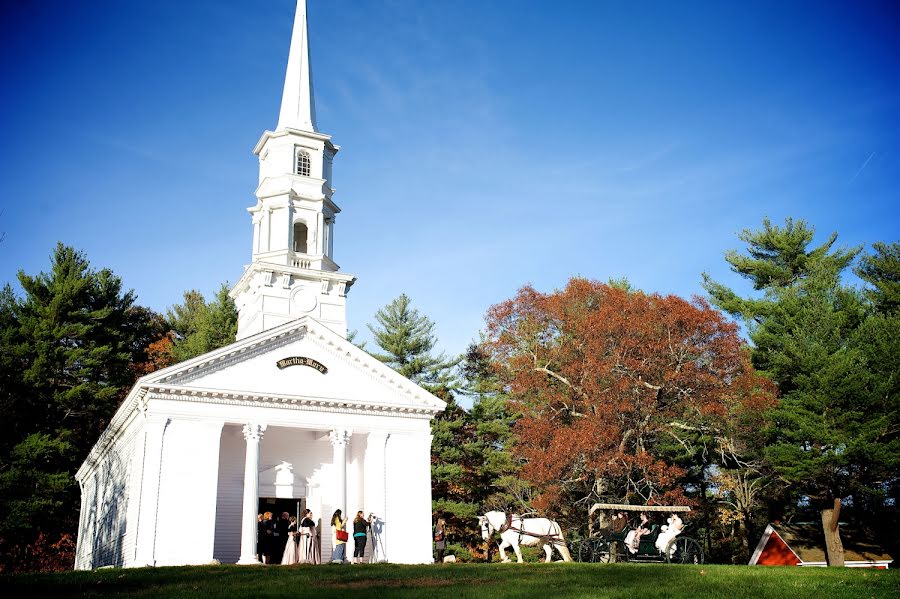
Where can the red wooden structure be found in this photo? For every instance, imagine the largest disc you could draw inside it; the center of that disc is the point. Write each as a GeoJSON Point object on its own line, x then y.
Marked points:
{"type": "Point", "coordinates": [804, 545]}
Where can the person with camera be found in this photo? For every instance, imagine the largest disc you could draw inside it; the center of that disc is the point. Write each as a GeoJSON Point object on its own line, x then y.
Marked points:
{"type": "Point", "coordinates": [360, 535]}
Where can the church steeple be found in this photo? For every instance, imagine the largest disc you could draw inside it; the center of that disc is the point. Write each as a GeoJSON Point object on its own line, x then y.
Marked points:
{"type": "Point", "coordinates": [298, 107]}
{"type": "Point", "coordinates": [293, 272]}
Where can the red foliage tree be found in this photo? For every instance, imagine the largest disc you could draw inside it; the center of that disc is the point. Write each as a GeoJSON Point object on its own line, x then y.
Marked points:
{"type": "Point", "coordinates": [608, 380]}
{"type": "Point", "coordinates": [159, 355]}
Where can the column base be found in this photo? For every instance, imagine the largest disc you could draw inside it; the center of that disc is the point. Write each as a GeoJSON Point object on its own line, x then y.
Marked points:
{"type": "Point", "coordinates": [249, 561]}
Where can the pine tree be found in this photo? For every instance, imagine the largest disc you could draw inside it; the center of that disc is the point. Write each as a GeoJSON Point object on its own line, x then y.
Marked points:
{"type": "Point", "coordinates": [776, 258]}
{"type": "Point", "coordinates": [488, 447]}
{"type": "Point", "coordinates": [200, 327]}
{"type": "Point", "coordinates": [69, 343]}
{"type": "Point", "coordinates": [472, 466]}
{"type": "Point", "coordinates": [407, 339]}
{"type": "Point", "coordinates": [881, 271]}
{"type": "Point", "coordinates": [813, 336]}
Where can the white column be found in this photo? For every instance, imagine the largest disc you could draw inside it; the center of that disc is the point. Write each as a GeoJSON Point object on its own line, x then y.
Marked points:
{"type": "Point", "coordinates": [330, 228]}
{"type": "Point", "coordinates": [339, 439]}
{"type": "Point", "coordinates": [151, 479]}
{"type": "Point", "coordinates": [376, 491]}
{"type": "Point", "coordinates": [321, 234]}
{"type": "Point", "coordinates": [81, 539]}
{"type": "Point", "coordinates": [253, 433]}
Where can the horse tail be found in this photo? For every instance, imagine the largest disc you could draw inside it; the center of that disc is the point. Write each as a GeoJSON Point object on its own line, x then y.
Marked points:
{"type": "Point", "coordinates": [561, 545]}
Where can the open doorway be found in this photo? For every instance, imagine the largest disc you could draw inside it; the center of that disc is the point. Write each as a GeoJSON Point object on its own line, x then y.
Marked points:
{"type": "Point", "coordinates": [274, 537]}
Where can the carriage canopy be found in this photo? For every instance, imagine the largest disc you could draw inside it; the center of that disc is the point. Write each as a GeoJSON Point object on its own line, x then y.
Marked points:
{"type": "Point", "coordinates": [639, 508]}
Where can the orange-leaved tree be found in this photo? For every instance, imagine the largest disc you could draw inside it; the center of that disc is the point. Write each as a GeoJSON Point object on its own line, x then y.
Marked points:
{"type": "Point", "coordinates": [612, 383]}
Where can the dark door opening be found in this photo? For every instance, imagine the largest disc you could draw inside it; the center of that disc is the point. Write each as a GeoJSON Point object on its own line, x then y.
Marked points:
{"type": "Point", "coordinates": [277, 506]}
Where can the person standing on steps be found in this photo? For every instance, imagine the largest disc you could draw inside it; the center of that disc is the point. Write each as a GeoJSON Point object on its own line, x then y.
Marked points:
{"type": "Point", "coordinates": [309, 540]}
{"type": "Point", "coordinates": [360, 536]}
{"type": "Point", "coordinates": [338, 538]}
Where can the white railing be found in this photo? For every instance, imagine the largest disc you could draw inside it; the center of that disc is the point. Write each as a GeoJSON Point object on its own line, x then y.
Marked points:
{"type": "Point", "coordinates": [299, 262]}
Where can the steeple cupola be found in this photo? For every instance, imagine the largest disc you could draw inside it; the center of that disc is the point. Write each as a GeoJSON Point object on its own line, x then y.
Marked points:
{"type": "Point", "coordinates": [293, 272]}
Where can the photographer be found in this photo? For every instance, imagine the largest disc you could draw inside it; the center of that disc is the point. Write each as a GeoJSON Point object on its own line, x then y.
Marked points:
{"type": "Point", "coordinates": [360, 534]}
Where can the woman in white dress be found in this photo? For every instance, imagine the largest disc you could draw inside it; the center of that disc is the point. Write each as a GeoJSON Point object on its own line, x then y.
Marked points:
{"type": "Point", "coordinates": [633, 538]}
{"type": "Point", "coordinates": [669, 532]}
{"type": "Point", "coordinates": [290, 549]}
{"type": "Point", "coordinates": [309, 540]}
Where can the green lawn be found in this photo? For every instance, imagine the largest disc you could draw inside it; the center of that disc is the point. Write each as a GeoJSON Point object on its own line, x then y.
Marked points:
{"type": "Point", "coordinates": [625, 581]}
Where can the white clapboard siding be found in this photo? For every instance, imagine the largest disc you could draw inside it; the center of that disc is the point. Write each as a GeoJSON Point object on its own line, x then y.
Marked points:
{"type": "Point", "coordinates": [102, 542]}
{"type": "Point", "coordinates": [133, 487]}
{"type": "Point", "coordinates": [230, 495]}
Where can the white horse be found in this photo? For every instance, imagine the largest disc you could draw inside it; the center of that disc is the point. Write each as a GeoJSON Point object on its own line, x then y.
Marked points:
{"type": "Point", "coordinates": [515, 530]}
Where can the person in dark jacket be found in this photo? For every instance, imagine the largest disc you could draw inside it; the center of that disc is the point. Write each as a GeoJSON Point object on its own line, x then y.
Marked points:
{"type": "Point", "coordinates": [266, 532]}
{"type": "Point", "coordinates": [360, 535]}
{"type": "Point", "coordinates": [280, 534]}
{"type": "Point", "coordinates": [260, 538]}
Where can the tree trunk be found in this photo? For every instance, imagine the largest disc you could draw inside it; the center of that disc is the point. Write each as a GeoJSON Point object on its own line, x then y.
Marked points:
{"type": "Point", "coordinates": [834, 549]}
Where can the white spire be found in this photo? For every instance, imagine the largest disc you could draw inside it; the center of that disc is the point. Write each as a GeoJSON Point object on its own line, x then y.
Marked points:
{"type": "Point", "coordinates": [298, 109]}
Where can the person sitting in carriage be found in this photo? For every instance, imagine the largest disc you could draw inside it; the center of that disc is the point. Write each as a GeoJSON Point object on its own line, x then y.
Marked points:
{"type": "Point", "coordinates": [633, 538]}
{"type": "Point", "coordinates": [616, 527]}
{"type": "Point", "coordinates": [670, 530]}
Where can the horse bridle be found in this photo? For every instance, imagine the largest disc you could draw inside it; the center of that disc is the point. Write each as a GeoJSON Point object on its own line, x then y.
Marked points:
{"type": "Point", "coordinates": [486, 527]}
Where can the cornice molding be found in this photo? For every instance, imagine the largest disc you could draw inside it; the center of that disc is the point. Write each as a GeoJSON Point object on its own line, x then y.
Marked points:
{"type": "Point", "coordinates": [288, 131]}
{"type": "Point", "coordinates": [331, 405]}
{"type": "Point", "coordinates": [306, 274]}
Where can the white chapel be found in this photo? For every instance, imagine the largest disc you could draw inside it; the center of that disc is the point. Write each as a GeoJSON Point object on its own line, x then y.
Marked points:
{"type": "Point", "coordinates": [290, 416]}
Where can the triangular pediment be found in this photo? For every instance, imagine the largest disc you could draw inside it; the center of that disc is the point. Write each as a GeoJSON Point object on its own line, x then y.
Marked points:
{"type": "Point", "coordinates": [300, 360]}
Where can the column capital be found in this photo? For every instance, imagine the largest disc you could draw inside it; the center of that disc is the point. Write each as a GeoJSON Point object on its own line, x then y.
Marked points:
{"type": "Point", "coordinates": [340, 436]}
{"type": "Point", "coordinates": [253, 431]}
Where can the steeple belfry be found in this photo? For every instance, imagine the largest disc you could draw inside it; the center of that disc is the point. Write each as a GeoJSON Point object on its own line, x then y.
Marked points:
{"type": "Point", "coordinates": [298, 107]}
{"type": "Point", "coordinates": [293, 272]}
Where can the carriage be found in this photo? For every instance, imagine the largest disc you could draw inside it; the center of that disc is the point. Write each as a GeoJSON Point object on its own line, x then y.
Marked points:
{"type": "Point", "coordinates": [607, 546]}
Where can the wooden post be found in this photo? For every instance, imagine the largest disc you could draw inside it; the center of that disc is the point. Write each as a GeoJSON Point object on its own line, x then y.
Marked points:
{"type": "Point", "coordinates": [834, 549]}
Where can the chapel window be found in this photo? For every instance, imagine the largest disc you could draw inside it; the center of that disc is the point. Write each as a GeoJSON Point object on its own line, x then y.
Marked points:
{"type": "Point", "coordinates": [300, 234]}
{"type": "Point", "coordinates": [302, 163]}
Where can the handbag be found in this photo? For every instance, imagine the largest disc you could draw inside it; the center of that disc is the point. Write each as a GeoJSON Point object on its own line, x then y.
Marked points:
{"type": "Point", "coordinates": [342, 535]}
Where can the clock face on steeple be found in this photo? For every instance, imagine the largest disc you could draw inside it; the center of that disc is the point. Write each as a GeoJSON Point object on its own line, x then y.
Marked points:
{"type": "Point", "coordinates": [303, 301]}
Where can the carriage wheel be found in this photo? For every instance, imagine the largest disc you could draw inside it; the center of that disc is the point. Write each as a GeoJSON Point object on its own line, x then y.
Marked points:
{"type": "Point", "coordinates": [585, 551]}
{"type": "Point", "coordinates": [601, 551]}
{"type": "Point", "coordinates": [684, 550]}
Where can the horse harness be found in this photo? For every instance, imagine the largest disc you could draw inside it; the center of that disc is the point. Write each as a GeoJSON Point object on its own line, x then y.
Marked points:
{"type": "Point", "coordinates": [508, 525]}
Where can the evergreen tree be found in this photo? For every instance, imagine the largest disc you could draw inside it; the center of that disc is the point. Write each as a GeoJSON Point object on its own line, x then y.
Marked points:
{"type": "Point", "coordinates": [834, 432]}
{"type": "Point", "coordinates": [488, 447]}
{"type": "Point", "coordinates": [472, 467]}
{"type": "Point", "coordinates": [67, 348]}
{"type": "Point", "coordinates": [407, 338]}
{"type": "Point", "coordinates": [200, 327]}
{"type": "Point", "coordinates": [776, 258]}
{"type": "Point", "coordinates": [881, 270]}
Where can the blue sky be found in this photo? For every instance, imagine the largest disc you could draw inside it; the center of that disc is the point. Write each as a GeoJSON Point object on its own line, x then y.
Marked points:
{"type": "Point", "coordinates": [486, 144]}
